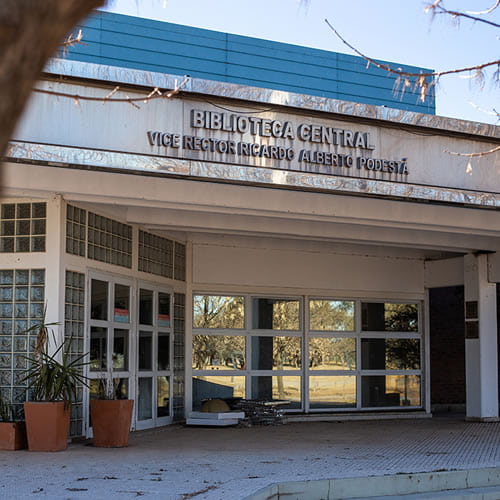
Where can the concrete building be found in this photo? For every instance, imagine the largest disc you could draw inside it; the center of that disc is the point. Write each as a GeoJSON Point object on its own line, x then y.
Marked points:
{"type": "Point", "coordinates": [267, 232]}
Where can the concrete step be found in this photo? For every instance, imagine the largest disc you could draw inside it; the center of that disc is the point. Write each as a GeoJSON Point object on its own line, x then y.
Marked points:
{"type": "Point", "coordinates": [490, 493]}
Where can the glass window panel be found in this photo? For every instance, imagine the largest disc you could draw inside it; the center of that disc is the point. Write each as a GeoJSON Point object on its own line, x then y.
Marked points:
{"type": "Point", "coordinates": [331, 315]}
{"type": "Point", "coordinates": [145, 307]}
{"type": "Point", "coordinates": [389, 317]}
{"type": "Point", "coordinates": [22, 244]}
{"type": "Point", "coordinates": [390, 354]}
{"type": "Point", "coordinates": [145, 398]}
{"type": "Point", "coordinates": [7, 228]}
{"type": "Point", "coordinates": [6, 245]}
{"type": "Point", "coordinates": [390, 390]}
{"type": "Point", "coordinates": [276, 314]}
{"type": "Point", "coordinates": [6, 277]}
{"type": "Point", "coordinates": [38, 244]}
{"type": "Point", "coordinates": [122, 304]}
{"type": "Point", "coordinates": [162, 397]}
{"type": "Point", "coordinates": [8, 211]}
{"type": "Point", "coordinates": [23, 227]}
{"type": "Point", "coordinates": [332, 392]}
{"type": "Point", "coordinates": [278, 388]}
{"type": "Point", "coordinates": [120, 349]}
{"type": "Point", "coordinates": [327, 353]}
{"type": "Point", "coordinates": [145, 351]}
{"type": "Point", "coordinates": [164, 310]}
{"type": "Point", "coordinates": [24, 210]}
{"type": "Point", "coordinates": [99, 300]}
{"type": "Point", "coordinates": [216, 311]}
{"type": "Point", "coordinates": [218, 352]}
{"type": "Point", "coordinates": [276, 353]}
{"type": "Point", "coordinates": [216, 387]}
{"type": "Point", "coordinates": [163, 351]}
{"type": "Point", "coordinates": [98, 348]}
{"type": "Point", "coordinates": [39, 210]}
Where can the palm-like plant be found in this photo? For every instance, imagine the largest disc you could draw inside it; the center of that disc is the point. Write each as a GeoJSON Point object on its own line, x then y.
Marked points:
{"type": "Point", "coordinates": [54, 376]}
{"type": "Point", "coordinates": [6, 413]}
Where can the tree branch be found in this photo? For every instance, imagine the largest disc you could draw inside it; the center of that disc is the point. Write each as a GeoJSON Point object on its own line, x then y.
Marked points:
{"type": "Point", "coordinates": [31, 31]}
{"type": "Point", "coordinates": [420, 78]}
{"type": "Point", "coordinates": [437, 8]}
{"type": "Point", "coordinates": [156, 93]}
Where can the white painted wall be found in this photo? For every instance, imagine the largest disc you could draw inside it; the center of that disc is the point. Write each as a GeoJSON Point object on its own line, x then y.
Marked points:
{"type": "Point", "coordinates": [219, 266]}
{"type": "Point", "coordinates": [122, 127]}
{"type": "Point", "coordinates": [445, 272]}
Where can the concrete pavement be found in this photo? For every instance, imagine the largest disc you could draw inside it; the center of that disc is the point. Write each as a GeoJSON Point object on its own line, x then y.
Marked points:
{"type": "Point", "coordinates": [179, 462]}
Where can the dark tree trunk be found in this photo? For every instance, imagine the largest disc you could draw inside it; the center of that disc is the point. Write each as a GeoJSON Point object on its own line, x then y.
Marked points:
{"type": "Point", "coordinates": [30, 33]}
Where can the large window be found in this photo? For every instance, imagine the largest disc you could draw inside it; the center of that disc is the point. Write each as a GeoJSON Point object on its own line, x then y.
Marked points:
{"type": "Point", "coordinates": [247, 347]}
{"type": "Point", "coordinates": [311, 354]}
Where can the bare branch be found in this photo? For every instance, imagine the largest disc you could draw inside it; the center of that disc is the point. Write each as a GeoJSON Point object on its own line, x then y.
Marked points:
{"type": "Point", "coordinates": [421, 78]}
{"type": "Point", "coordinates": [487, 11]}
{"type": "Point", "coordinates": [437, 8]}
{"type": "Point", "coordinates": [474, 155]}
{"type": "Point", "coordinates": [154, 94]}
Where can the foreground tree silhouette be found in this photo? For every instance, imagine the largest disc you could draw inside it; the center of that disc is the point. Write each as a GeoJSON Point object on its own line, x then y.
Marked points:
{"type": "Point", "coordinates": [30, 33]}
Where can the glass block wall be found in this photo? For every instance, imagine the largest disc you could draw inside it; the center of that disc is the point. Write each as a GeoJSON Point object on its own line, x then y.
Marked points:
{"type": "Point", "coordinates": [179, 359]}
{"type": "Point", "coordinates": [22, 296]}
{"type": "Point", "coordinates": [109, 241]}
{"type": "Point", "coordinates": [23, 227]}
{"type": "Point", "coordinates": [180, 262]}
{"type": "Point", "coordinates": [106, 240]}
{"type": "Point", "coordinates": [74, 317]}
{"type": "Point", "coordinates": [76, 230]}
{"type": "Point", "coordinates": [156, 254]}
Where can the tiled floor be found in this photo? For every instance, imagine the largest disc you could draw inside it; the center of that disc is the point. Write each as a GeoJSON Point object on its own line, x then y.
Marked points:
{"type": "Point", "coordinates": [230, 463]}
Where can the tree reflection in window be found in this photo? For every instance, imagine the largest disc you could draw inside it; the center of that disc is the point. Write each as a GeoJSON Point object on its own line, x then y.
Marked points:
{"type": "Point", "coordinates": [218, 352]}
{"type": "Point", "coordinates": [402, 354]}
{"type": "Point", "coordinates": [332, 353]}
{"type": "Point", "coordinates": [389, 317]}
{"type": "Point", "coordinates": [217, 311]}
{"type": "Point", "coordinates": [276, 314]}
{"type": "Point", "coordinates": [331, 315]}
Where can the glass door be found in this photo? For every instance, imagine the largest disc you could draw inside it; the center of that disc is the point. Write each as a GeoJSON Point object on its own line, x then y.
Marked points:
{"type": "Point", "coordinates": [110, 322]}
{"type": "Point", "coordinates": [154, 357]}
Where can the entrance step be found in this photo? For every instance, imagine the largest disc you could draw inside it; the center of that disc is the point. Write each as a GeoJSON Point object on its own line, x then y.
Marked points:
{"type": "Point", "coordinates": [467, 484]}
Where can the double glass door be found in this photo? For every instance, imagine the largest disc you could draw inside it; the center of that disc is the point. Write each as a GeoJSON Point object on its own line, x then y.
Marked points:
{"type": "Point", "coordinates": [130, 341]}
{"type": "Point", "coordinates": [154, 352]}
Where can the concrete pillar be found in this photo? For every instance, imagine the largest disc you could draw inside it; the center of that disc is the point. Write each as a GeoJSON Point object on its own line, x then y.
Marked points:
{"type": "Point", "coordinates": [481, 359]}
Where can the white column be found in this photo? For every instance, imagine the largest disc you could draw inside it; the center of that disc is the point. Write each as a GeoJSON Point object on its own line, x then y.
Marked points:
{"type": "Point", "coordinates": [481, 359]}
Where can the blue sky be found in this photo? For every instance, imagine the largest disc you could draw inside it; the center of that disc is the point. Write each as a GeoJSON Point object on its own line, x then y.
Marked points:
{"type": "Point", "coordinates": [394, 30]}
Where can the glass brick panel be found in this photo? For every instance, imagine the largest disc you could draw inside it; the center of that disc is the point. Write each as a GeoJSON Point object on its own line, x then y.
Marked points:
{"type": "Point", "coordinates": [179, 359]}
{"type": "Point", "coordinates": [156, 255]}
{"type": "Point", "coordinates": [180, 262]}
{"type": "Point", "coordinates": [76, 230]}
{"type": "Point", "coordinates": [74, 298]}
{"type": "Point", "coordinates": [20, 307]}
{"type": "Point", "coordinates": [109, 241]}
{"type": "Point", "coordinates": [23, 227]}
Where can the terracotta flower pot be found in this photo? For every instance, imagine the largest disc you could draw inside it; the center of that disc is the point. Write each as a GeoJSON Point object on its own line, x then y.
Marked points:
{"type": "Point", "coordinates": [47, 425]}
{"type": "Point", "coordinates": [111, 421]}
{"type": "Point", "coordinates": [12, 436]}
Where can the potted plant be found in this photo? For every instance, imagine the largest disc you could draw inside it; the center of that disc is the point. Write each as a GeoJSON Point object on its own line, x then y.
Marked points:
{"type": "Point", "coordinates": [111, 416]}
{"type": "Point", "coordinates": [12, 429]}
{"type": "Point", "coordinates": [53, 380]}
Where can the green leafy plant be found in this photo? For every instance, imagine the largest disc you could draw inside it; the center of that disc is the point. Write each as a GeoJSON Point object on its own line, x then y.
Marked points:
{"type": "Point", "coordinates": [54, 376]}
{"type": "Point", "coordinates": [6, 413]}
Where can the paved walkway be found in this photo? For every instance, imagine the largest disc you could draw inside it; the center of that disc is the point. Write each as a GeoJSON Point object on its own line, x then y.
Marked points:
{"type": "Point", "coordinates": [230, 463]}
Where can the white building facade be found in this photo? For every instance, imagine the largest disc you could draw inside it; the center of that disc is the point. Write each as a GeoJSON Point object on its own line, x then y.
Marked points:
{"type": "Point", "coordinates": [238, 242]}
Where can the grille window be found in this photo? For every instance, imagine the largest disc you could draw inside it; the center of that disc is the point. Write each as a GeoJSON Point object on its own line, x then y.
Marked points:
{"type": "Point", "coordinates": [23, 227]}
